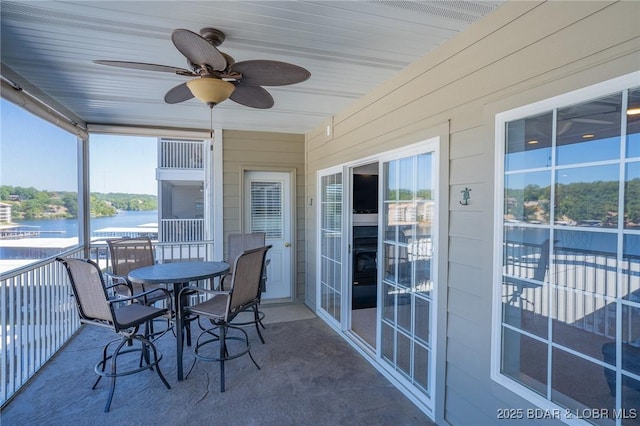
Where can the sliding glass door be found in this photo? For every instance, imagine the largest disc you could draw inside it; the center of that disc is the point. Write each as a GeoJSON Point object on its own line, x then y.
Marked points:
{"type": "Point", "coordinates": [405, 258]}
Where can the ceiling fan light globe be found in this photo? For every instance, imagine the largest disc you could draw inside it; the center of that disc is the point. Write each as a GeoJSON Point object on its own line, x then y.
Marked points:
{"type": "Point", "coordinates": [210, 90]}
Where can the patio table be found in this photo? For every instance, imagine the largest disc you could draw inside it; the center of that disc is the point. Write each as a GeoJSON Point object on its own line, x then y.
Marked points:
{"type": "Point", "coordinates": [178, 275]}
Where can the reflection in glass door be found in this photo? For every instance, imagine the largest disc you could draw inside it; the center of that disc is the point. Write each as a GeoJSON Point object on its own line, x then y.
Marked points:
{"type": "Point", "coordinates": [407, 264]}
{"type": "Point", "coordinates": [331, 234]}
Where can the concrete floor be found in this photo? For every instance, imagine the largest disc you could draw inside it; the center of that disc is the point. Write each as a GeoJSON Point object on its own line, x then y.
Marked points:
{"type": "Point", "coordinates": [309, 376]}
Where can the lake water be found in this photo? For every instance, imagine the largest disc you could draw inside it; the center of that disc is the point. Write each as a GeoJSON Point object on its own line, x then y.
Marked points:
{"type": "Point", "coordinates": [62, 228]}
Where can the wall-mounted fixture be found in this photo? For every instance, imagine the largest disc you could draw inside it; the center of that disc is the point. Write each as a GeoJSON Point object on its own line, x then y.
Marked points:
{"type": "Point", "coordinates": [465, 196]}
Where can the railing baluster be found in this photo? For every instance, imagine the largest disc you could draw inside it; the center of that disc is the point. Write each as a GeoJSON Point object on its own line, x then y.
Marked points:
{"type": "Point", "coordinates": [11, 331]}
{"type": "Point", "coordinates": [31, 323]}
{"type": "Point", "coordinates": [3, 341]}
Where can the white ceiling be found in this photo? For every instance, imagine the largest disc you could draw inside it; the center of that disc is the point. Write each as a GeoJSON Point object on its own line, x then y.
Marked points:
{"type": "Point", "coordinates": [350, 47]}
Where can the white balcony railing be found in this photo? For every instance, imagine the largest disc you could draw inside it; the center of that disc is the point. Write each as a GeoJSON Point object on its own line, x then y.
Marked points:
{"type": "Point", "coordinates": [38, 314]}
{"type": "Point", "coordinates": [182, 230]}
{"type": "Point", "coordinates": [180, 154]}
{"type": "Point", "coordinates": [38, 317]}
{"type": "Point", "coordinates": [584, 287]}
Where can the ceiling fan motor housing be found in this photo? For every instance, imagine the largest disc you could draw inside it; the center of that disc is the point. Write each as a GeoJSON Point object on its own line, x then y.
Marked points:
{"type": "Point", "coordinates": [213, 35]}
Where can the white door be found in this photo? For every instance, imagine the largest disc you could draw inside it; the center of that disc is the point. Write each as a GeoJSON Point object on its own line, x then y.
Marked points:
{"type": "Point", "coordinates": [268, 209]}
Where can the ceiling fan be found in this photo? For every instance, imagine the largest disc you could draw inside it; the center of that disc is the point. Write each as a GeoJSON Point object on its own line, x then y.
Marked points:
{"type": "Point", "coordinates": [218, 76]}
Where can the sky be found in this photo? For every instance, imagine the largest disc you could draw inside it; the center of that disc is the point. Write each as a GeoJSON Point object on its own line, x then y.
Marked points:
{"type": "Point", "coordinates": [35, 153]}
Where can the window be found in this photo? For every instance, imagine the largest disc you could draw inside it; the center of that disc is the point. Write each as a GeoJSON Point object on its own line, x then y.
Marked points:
{"type": "Point", "coordinates": [38, 188]}
{"type": "Point", "coordinates": [124, 189]}
{"type": "Point", "coordinates": [568, 281]}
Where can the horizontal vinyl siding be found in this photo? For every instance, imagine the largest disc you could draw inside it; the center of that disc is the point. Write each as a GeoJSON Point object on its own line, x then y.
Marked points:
{"type": "Point", "coordinates": [522, 53]}
{"type": "Point", "coordinates": [449, 79]}
{"type": "Point", "coordinates": [264, 151]}
{"type": "Point", "coordinates": [459, 274]}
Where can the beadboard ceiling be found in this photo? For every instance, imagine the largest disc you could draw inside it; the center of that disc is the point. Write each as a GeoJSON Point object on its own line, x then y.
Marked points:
{"type": "Point", "coordinates": [350, 47]}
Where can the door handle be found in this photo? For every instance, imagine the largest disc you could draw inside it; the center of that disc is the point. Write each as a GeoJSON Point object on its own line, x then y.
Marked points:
{"type": "Point", "coordinates": [287, 244]}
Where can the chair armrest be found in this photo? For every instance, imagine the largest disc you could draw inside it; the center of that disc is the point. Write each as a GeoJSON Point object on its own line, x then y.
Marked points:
{"type": "Point", "coordinates": [137, 297]}
{"type": "Point", "coordinates": [223, 279]}
{"type": "Point", "coordinates": [522, 282]}
{"type": "Point", "coordinates": [118, 281]}
{"type": "Point", "coordinates": [191, 288]}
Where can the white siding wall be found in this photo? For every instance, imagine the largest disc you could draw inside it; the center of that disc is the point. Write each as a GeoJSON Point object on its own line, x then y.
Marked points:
{"type": "Point", "coordinates": [523, 53]}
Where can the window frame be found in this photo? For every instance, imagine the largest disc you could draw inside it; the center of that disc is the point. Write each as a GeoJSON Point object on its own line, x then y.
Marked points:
{"type": "Point", "coordinates": [585, 94]}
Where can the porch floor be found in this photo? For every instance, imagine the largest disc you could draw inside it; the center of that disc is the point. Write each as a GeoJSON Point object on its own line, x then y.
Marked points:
{"type": "Point", "coordinates": [309, 376]}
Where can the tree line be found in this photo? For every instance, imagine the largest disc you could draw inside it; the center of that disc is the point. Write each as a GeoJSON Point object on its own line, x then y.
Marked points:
{"type": "Point", "coordinates": [31, 203]}
{"type": "Point", "coordinates": [593, 201]}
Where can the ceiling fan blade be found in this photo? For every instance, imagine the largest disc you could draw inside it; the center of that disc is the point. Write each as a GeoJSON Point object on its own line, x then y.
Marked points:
{"type": "Point", "coordinates": [270, 73]}
{"type": "Point", "coordinates": [178, 94]}
{"type": "Point", "coordinates": [252, 96]}
{"type": "Point", "coordinates": [146, 67]}
{"type": "Point", "coordinates": [197, 49]}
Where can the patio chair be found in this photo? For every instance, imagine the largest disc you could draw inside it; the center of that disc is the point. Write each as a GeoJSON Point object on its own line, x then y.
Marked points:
{"type": "Point", "coordinates": [123, 316]}
{"type": "Point", "coordinates": [237, 244]}
{"type": "Point", "coordinates": [223, 306]}
{"type": "Point", "coordinates": [128, 254]}
{"type": "Point", "coordinates": [519, 284]}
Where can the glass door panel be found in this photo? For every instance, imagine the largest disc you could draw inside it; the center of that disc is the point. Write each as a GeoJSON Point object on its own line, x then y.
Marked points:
{"type": "Point", "coordinates": [407, 256]}
{"type": "Point", "coordinates": [331, 235]}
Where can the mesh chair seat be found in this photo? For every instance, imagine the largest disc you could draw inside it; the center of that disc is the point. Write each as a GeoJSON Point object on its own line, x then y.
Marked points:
{"type": "Point", "coordinates": [131, 315]}
{"type": "Point", "coordinates": [215, 308]}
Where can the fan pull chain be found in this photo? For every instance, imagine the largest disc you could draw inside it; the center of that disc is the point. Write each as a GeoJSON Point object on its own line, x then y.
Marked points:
{"type": "Point", "coordinates": [211, 124]}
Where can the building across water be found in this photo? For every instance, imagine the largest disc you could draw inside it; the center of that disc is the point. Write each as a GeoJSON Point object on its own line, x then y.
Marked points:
{"type": "Point", "coordinates": [22, 251]}
{"type": "Point", "coordinates": [146, 230]}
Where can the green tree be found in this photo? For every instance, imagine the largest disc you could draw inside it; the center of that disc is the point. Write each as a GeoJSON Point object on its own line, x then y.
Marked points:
{"type": "Point", "coordinates": [5, 191]}
{"type": "Point", "coordinates": [32, 209]}
{"type": "Point", "coordinates": [70, 202]}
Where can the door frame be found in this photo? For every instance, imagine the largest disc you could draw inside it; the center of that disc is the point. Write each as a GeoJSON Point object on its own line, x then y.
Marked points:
{"type": "Point", "coordinates": [348, 209]}
{"type": "Point", "coordinates": [291, 203]}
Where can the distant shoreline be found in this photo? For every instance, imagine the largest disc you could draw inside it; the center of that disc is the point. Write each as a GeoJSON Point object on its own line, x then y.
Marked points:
{"type": "Point", "coordinates": [53, 217]}
{"type": "Point", "coordinates": [69, 226]}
